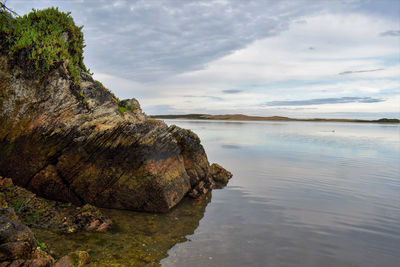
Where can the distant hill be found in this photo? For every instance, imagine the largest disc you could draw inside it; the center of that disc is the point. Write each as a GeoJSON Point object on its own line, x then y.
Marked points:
{"type": "Point", "coordinates": [241, 117]}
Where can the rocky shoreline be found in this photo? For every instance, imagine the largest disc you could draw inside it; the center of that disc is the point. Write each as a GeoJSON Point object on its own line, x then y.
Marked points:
{"type": "Point", "coordinates": [69, 145]}
{"type": "Point", "coordinates": [21, 209]}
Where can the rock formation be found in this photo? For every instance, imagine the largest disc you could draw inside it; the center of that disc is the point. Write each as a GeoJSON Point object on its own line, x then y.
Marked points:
{"type": "Point", "coordinates": [74, 143]}
{"type": "Point", "coordinates": [78, 144]}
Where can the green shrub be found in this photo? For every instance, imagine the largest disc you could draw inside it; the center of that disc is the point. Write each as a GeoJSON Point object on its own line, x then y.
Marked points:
{"type": "Point", "coordinates": [6, 25]}
{"type": "Point", "coordinates": [122, 109]}
{"type": "Point", "coordinates": [125, 108]}
{"type": "Point", "coordinates": [47, 38]}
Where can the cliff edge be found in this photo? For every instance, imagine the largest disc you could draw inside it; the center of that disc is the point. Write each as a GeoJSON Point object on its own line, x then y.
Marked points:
{"type": "Point", "coordinates": [65, 137]}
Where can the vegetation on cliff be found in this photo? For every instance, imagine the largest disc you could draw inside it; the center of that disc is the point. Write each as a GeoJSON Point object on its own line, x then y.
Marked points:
{"type": "Point", "coordinates": [43, 39]}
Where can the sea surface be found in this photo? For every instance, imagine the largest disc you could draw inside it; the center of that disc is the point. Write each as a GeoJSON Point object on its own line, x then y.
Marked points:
{"type": "Point", "coordinates": [302, 194]}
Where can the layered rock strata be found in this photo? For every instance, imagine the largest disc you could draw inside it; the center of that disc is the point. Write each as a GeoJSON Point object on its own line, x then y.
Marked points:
{"type": "Point", "coordinates": [79, 144]}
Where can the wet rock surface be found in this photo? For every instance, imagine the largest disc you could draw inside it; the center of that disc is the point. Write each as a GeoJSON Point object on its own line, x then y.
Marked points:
{"type": "Point", "coordinates": [16, 240]}
{"type": "Point", "coordinates": [77, 258]}
{"type": "Point", "coordinates": [19, 246]}
{"type": "Point", "coordinates": [38, 212]}
{"type": "Point", "coordinates": [75, 144]}
{"type": "Point", "coordinates": [219, 175]}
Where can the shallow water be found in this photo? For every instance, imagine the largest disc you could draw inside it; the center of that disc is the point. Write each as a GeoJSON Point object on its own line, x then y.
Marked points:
{"type": "Point", "coordinates": [137, 238]}
{"type": "Point", "coordinates": [302, 194]}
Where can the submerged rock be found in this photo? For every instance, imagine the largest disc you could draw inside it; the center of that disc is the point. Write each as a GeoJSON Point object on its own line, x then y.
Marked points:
{"type": "Point", "coordinates": [77, 258]}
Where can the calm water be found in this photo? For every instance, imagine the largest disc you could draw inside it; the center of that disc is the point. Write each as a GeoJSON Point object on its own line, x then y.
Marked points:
{"type": "Point", "coordinates": [302, 194]}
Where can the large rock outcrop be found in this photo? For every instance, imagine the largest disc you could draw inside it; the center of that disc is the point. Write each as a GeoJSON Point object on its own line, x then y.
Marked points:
{"type": "Point", "coordinates": [76, 143]}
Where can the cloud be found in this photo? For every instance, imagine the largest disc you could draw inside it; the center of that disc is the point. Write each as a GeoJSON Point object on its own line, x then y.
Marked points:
{"type": "Point", "coordinates": [151, 40]}
{"type": "Point", "coordinates": [358, 71]}
{"type": "Point", "coordinates": [322, 101]}
{"type": "Point", "coordinates": [232, 91]}
{"type": "Point", "coordinates": [390, 33]}
{"type": "Point", "coordinates": [161, 109]}
{"type": "Point", "coordinates": [229, 146]}
{"type": "Point", "coordinates": [204, 96]}
{"type": "Point", "coordinates": [228, 56]}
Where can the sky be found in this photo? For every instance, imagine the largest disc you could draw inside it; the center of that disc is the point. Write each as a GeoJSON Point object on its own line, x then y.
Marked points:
{"type": "Point", "coordinates": [296, 58]}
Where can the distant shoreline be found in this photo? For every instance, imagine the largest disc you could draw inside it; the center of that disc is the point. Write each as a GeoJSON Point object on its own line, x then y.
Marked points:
{"type": "Point", "coordinates": [241, 117]}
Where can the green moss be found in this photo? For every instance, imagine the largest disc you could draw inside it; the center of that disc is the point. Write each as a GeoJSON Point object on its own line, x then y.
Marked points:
{"type": "Point", "coordinates": [122, 110]}
{"type": "Point", "coordinates": [125, 108]}
{"type": "Point", "coordinates": [46, 38]}
{"type": "Point", "coordinates": [100, 84]}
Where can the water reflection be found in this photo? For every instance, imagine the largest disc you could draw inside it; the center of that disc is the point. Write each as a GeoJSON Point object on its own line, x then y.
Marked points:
{"type": "Point", "coordinates": [137, 239]}
{"type": "Point", "coordinates": [301, 195]}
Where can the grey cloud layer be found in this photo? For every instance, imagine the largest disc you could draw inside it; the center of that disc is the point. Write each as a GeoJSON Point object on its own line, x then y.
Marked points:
{"type": "Point", "coordinates": [204, 96]}
{"type": "Point", "coordinates": [390, 33]}
{"type": "Point", "coordinates": [358, 71]}
{"type": "Point", "coordinates": [321, 101]}
{"type": "Point", "coordinates": [232, 91]}
{"type": "Point", "coordinates": [150, 40]}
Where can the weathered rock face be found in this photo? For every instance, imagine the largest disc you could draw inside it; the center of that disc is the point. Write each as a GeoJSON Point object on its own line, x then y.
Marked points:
{"type": "Point", "coordinates": [73, 143]}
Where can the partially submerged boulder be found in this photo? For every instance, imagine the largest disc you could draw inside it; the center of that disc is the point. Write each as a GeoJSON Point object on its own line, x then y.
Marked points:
{"type": "Point", "coordinates": [219, 175]}
{"type": "Point", "coordinates": [73, 259]}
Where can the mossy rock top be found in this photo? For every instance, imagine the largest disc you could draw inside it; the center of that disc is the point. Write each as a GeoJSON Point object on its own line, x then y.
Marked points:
{"type": "Point", "coordinates": [43, 39]}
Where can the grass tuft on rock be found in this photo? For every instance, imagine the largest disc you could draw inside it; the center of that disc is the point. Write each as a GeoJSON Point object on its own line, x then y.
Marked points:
{"type": "Point", "coordinates": [44, 39]}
